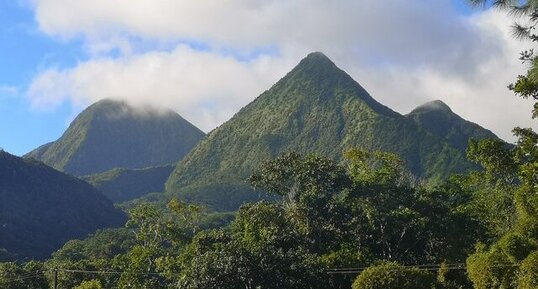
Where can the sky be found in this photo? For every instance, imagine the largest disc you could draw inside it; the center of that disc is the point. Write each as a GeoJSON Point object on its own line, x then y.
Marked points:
{"type": "Point", "coordinates": [206, 59]}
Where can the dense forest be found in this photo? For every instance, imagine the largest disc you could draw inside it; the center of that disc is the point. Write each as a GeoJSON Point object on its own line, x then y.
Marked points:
{"type": "Point", "coordinates": [362, 223]}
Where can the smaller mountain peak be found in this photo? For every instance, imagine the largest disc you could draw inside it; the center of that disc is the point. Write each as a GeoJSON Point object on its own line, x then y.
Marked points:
{"type": "Point", "coordinates": [317, 55]}
{"type": "Point", "coordinates": [432, 106]}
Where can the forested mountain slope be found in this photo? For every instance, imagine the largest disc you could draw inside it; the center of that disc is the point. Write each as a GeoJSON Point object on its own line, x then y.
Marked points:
{"type": "Point", "coordinates": [41, 208]}
{"type": "Point", "coordinates": [113, 134]}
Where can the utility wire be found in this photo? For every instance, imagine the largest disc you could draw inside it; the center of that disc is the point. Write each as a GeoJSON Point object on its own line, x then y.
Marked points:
{"type": "Point", "coordinates": [106, 272]}
{"type": "Point", "coordinates": [428, 267]}
{"type": "Point", "coordinates": [25, 276]}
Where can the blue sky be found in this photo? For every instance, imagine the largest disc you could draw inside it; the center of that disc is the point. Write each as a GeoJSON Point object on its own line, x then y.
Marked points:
{"type": "Point", "coordinates": [204, 61]}
{"type": "Point", "coordinates": [24, 51]}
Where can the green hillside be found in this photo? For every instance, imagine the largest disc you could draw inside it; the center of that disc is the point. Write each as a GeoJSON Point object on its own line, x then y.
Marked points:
{"type": "Point", "coordinates": [112, 134]}
{"type": "Point", "coordinates": [121, 185]}
{"type": "Point", "coordinates": [41, 208]}
{"type": "Point", "coordinates": [315, 108]}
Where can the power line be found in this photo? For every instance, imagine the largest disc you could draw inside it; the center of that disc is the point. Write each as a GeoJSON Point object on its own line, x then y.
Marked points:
{"type": "Point", "coordinates": [25, 276]}
{"type": "Point", "coordinates": [427, 267]}
{"type": "Point", "coordinates": [106, 272]}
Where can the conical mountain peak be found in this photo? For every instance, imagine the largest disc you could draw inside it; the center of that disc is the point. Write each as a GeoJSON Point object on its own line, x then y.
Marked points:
{"type": "Point", "coordinates": [317, 66]}
{"type": "Point", "coordinates": [317, 55]}
{"type": "Point", "coordinates": [316, 60]}
{"type": "Point", "coordinates": [317, 80]}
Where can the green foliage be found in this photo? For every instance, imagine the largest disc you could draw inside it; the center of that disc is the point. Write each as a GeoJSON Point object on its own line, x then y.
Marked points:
{"type": "Point", "coordinates": [29, 276]}
{"type": "Point", "coordinates": [73, 273]}
{"type": "Point", "coordinates": [377, 168]}
{"type": "Point", "coordinates": [315, 108]}
{"type": "Point", "coordinates": [511, 261]}
{"type": "Point", "coordinates": [92, 284]}
{"type": "Point", "coordinates": [42, 208]}
{"type": "Point", "coordinates": [104, 244]}
{"type": "Point", "coordinates": [300, 180]}
{"type": "Point", "coordinates": [112, 134]}
{"type": "Point", "coordinates": [327, 219]}
{"type": "Point", "coordinates": [491, 270]}
{"type": "Point", "coordinates": [512, 171]}
{"type": "Point", "coordinates": [136, 267]}
{"type": "Point", "coordinates": [498, 160]}
{"type": "Point", "coordinates": [516, 247]}
{"type": "Point", "coordinates": [394, 276]}
{"type": "Point", "coordinates": [216, 259]}
{"type": "Point", "coordinates": [528, 272]}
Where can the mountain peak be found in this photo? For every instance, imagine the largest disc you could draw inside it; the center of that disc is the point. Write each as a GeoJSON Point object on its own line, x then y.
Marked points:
{"type": "Point", "coordinates": [107, 103]}
{"type": "Point", "coordinates": [114, 108]}
{"type": "Point", "coordinates": [315, 62]}
{"type": "Point", "coordinates": [437, 118]}
{"type": "Point", "coordinates": [317, 57]}
{"type": "Point", "coordinates": [432, 106]}
{"type": "Point", "coordinates": [319, 79]}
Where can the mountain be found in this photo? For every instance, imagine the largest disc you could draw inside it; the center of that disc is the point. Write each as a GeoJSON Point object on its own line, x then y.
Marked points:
{"type": "Point", "coordinates": [437, 118]}
{"type": "Point", "coordinates": [315, 108]}
{"type": "Point", "coordinates": [41, 208]}
{"type": "Point", "coordinates": [113, 134]}
{"type": "Point", "coordinates": [121, 185]}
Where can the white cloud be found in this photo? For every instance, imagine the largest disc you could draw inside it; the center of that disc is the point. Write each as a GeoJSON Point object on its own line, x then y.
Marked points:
{"type": "Point", "coordinates": [203, 87]}
{"type": "Point", "coordinates": [418, 33]}
{"type": "Point", "coordinates": [403, 53]}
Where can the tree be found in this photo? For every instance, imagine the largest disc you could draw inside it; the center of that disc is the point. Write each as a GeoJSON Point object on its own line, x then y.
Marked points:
{"type": "Point", "coordinates": [161, 234]}
{"type": "Point", "coordinates": [262, 250]}
{"type": "Point", "coordinates": [394, 276]}
{"type": "Point", "coordinates": [29, 276]}
{"type": "Point", "coordinates": [516, 171]}
{"type": "Point", "coordinates": [91, 284]}
{"type": "Point", "coordinates": [313, 191]}
{"type": "Point", "coordinates": [528, 272]}
{"type": "Point", "coordinates": [363, 210]}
